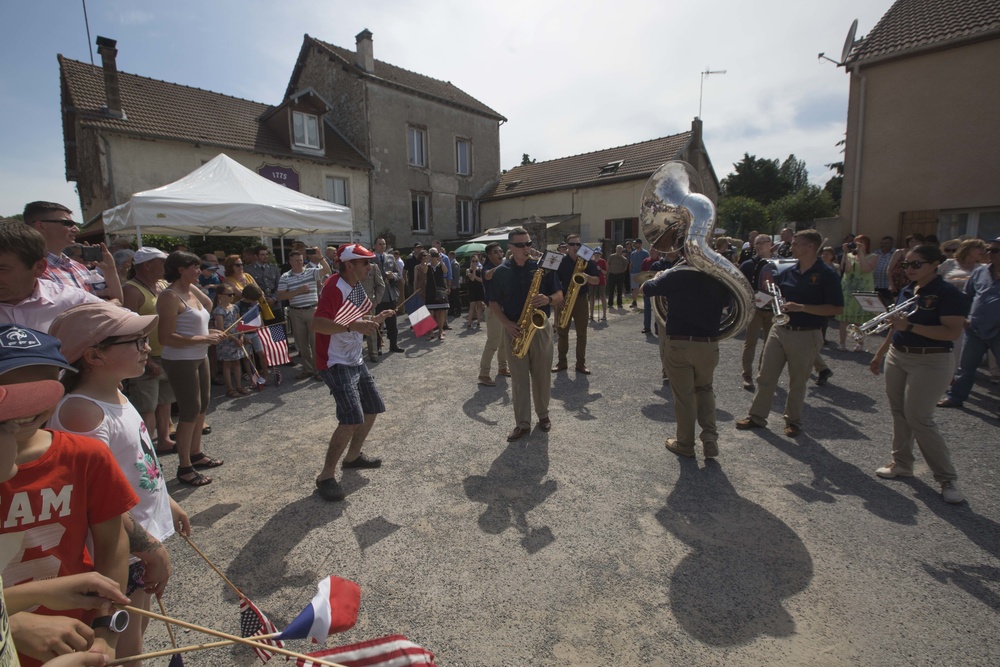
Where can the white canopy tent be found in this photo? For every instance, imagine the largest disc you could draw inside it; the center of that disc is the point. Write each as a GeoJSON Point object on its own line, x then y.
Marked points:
{"type": "Point", "coordinates": [223, 197]}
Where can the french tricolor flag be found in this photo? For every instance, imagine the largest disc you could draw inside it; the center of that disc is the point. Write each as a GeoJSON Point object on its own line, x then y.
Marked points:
{"type": "Point", "coordinates": [421, 321]}
{"type": "Point", "coordinates": [251, 320]}
{"type": "Point", "coordinates": [334, 609]}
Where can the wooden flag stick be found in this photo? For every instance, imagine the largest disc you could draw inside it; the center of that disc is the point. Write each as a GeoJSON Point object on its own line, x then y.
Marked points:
{"type": "Point", "coordinates": [238, 592]}
{"type": "Point", "coordinates": [187, 649]}
{"type": "Point", "coordinates": [223, 635]}
{"type": "Point", "coordinates": [407, 299]}
{"type": "Point", "coordinates": [170, 630]}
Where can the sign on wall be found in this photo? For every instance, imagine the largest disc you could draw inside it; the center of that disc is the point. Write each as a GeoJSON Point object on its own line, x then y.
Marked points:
{"type": "Point", "coordinates": [281, 175]}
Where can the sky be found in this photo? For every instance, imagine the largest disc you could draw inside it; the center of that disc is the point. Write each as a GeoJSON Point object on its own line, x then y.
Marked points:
{"type": "Point", "coordinates": [570, 77]}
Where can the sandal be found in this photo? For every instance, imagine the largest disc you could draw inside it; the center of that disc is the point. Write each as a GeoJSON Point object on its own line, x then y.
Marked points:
{"type": "Point", "coordinates": [245, 391]}
{"type": "Point", "coordinates": [193, 477]}
{"type": "Point", "coordinates": [206, 430]}
{"type": "Point", "coordinates": [202, 461]}
{"type": "Point", "coordinates": [234, 393]}
{"type": "Point", "coordinates": [166, 452]}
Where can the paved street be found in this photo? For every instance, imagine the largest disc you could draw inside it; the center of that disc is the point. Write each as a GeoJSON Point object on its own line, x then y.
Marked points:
{"type": "Point", "coordinates": [592, 545]}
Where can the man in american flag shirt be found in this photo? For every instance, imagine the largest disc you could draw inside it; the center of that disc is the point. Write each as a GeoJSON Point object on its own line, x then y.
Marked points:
{"type": "Point", "coordinates": [341, 325]}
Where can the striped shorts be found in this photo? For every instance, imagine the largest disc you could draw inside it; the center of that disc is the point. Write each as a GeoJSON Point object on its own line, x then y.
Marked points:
{"type": "Point", "coordinates": [355, 392]}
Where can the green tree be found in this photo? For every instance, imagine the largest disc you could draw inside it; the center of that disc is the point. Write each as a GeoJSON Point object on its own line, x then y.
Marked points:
{"type": "Point", "coordinates": [741, 215]}
{"type": "Point", "coordinates": [806, 205]}
{"type": "Point", "coordinates": [526, 159]}
{"type": "Point", "coordinates": [793, 172]}
{"type": "Point", "coordinates": [758, 179]}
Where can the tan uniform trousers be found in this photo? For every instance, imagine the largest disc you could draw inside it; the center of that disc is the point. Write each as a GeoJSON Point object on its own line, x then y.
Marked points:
{"type": "Point", "coordinates": [301, 322]}
{"type": "Point", "coordinates": [797, 349]}
{"type": "Point", "coordinates": [913, 383]}
{"type": "Point", "coordinates": [691, 367]}
{"type": "Point", "coordinates": [761, 321]}
{"type": "Point", "coordinates": [531, 377]}
{"type": "Point", "coordinates": [494, 345]}
{"type": "Point", "coordinates": [580, 318]}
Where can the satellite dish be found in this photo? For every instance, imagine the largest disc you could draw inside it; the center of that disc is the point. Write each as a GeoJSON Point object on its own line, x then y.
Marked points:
{"type": "Point", "coordinates": [849, 42]}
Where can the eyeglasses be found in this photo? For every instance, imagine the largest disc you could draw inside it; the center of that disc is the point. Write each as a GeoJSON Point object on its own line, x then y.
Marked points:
{"type": "Point", "coordinates": [575, 245]}
{"type": "Point", "coordinates": [226, 293]}
{"type": "Point", "coordinates": [237, 263]}
{"type": "Point", "coordinates": [525, 244]}
{"type": "Point", "coordinates": [915, 264]}
{"type": "Point", "coordinates": [65, 223]}
{"type": "Point", "coordinates": [140, 343]}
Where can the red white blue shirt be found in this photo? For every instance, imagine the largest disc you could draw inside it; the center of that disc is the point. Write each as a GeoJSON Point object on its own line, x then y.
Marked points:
{"type": "Point", "coordinates": [343, 304]}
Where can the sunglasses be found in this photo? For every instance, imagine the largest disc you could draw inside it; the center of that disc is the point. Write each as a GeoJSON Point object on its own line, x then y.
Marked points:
{"type": "Point", "coordinates": [916, 264]}
{"type": "Point", "coordinates": [64, 223]}
{"type": "Point", "coordinates": [575, 245]}
{"type": "Point", "coordinates": [237, 263]}
{"type": "Point", "coordinates": [140, 343]}
{"type": "Point", "coordinates": [949, 250]}
{"type": "Point", "coordinates": [525, 244]}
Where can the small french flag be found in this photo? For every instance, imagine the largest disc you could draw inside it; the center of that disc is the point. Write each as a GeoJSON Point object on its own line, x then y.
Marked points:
{"type": "Point", "coordinates": [421, 321]}
{"type": "Point", "coordinates": [334, 609]}
{"type": "Point", "coordinates": [251, 320]}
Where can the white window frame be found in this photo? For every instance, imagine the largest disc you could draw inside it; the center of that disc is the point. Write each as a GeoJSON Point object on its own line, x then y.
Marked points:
{"type": "Point", "coordinates": [950, 224]}
{"type": "Point", "coordinates": [331, 190]}
{"type": "Point", "coordinates": [416, 146]}
{"type": "Point", "coordinates": [420, 212]}
{"type": "Point", "coordinates": [459, 143]}
{"type": "Point", "coordinates": [463, 213]}
{"type": "Point", "coordinates": [307, 142]}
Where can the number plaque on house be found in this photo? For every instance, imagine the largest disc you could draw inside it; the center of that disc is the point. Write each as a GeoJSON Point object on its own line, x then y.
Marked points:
{"type": "Point", "coordinates": [282, 175]}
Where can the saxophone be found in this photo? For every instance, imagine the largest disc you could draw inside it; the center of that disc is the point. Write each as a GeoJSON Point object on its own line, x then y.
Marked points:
{"type": "Point", "coordinates": [576, 281]}
{"type": "Point", "coordinates": [531, 320]}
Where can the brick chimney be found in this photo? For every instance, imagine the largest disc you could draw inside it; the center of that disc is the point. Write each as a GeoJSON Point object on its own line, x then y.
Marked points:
{"type": "Point", "coordinates": [112, 94]}
{"type": "Point", "coordinates": [365, 58]}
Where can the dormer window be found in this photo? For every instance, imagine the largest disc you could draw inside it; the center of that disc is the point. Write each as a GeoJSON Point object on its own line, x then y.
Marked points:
{"type": "Point", "coordinates": [305, 131]}
{"type": "Point", "coordinates": [611, 167]}
{"type": "Point", "coordinates": [513, 184]}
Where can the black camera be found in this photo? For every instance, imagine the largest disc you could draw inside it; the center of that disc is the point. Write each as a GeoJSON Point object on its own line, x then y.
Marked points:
{"type": "Point", "coordinates": [852, 246]}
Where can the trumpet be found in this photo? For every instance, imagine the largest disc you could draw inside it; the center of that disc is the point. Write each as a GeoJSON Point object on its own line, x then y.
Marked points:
{"type": "Point", "coordinates": [880, 323]}
{"type": "Point", "coordinates": [777, 301]}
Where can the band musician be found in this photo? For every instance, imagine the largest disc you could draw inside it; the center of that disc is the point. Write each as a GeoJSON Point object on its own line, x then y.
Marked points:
{"type": "Point", "coordinates": [579, 315]}
{"type": "Point", "coordinates": [530, 377]}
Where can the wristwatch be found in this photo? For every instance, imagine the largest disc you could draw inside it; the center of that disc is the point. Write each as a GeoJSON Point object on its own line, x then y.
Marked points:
{"type": "Point", "coordinates": [116, 622]}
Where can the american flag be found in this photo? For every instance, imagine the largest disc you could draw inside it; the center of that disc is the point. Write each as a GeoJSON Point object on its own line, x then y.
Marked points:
{"type": "Point", "coordinates": [275, 344]}
{"type": "Point", "coordinates": [254, 622]}
{"type": "Point", "coordinates": [356, 306]}
{"type": "Point", "coordinates": [391, 651]}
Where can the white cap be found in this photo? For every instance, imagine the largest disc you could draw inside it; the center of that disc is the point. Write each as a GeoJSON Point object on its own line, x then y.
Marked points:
{"type": "Point", "coordinates": [146, 253]}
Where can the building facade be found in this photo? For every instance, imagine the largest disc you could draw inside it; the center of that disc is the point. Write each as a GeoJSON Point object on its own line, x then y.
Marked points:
{"type": "Point", "coordinates": [433, 148]}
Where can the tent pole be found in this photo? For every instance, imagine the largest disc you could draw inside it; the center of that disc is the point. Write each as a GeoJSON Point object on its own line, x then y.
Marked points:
{"type": "Point", "coordinates": [282, 248]}
{"type": "Point", "coordinates": [138, 235]}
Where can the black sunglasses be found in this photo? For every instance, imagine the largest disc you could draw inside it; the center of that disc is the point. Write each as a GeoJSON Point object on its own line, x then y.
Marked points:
{"type": "Point", "coordinates": [915, 264]}
{"type": "Point", "coordinates": [525, 244]}
{"type": "Point", "coordinates": [576, 245]}
{"type": "Point", "coordinates": [64, 223]}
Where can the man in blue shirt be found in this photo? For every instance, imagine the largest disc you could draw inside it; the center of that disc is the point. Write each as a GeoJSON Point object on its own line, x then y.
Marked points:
{"type": "Point", "coordinates": [635, 260]}
{"type": "Point", "coordinates": [812, 294]}
{"type": "Point", "coordinates": [511, 283]}
{"type": "Point", "coordinates": [983, 332]}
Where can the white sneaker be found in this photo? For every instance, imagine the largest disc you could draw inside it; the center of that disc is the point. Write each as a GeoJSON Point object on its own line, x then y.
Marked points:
{"type": "Point", "coordinates": [893, 470]}
{"type": "Point", "coordinates": [951, 493]}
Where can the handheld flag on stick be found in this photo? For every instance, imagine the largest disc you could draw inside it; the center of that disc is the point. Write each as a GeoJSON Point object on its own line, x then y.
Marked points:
{"type": "Point", "coordinates": [253, 622]}
{"type": "Point", "coordinates": [334, 609]}
{"type": "Point", "coordinates": [251, 320]}
{"type": "Point", "coordinates": [275, 344]}
{"type": "Point", "coordinates": [421, 321]}
{"type": "Point", "coordinates": [391, 651]}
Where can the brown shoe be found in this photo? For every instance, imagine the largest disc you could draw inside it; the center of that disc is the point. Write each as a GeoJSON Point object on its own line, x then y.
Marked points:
{"type": "Point", "coordinates": [517, 434]}
{"type": "Point", "coordinates": [748, 383]}
{"type": "Point", "coordinates": [583, 369]}
{"type": "Point", "coordinates": [545, 424]}
{"type": "Point", "coordinates": [559, 367]}
{"type": "Point", "coordinates": [792, 431]}
{"type": "Point", "coordinates": [487, 380]}
{"type": "Point", "coordinates": [505, 372]}
{"type": "Point", "coordinates": [747, 424]}
{"type": "Point", "coordinates": [672, 446]}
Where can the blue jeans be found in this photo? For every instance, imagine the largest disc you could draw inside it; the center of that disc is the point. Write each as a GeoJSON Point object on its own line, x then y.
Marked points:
{"type": "Point", "coordinates": [646, 312]}
{"type": "Point", "coordinates": [972, 355]}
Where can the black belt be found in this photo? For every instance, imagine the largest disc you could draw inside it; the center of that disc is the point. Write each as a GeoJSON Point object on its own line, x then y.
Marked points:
{"type": "Point", "coordinates": [303, 307]}
{"type": "Point", "coordinates": [695, 339]}
{"type": "Point", "coordinates": [789, 327]}
{"type": "Point", "coordinates": [921, 350]}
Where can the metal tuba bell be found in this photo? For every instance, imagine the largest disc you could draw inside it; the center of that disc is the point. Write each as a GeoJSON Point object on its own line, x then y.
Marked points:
{"type": "Point", "coordinates": [673, 214]}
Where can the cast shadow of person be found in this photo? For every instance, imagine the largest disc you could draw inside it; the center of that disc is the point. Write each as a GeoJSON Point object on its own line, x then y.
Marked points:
{"type": "Point", "coordinates": [515, 485]}
{"type": "Point", "coordinates": [574, 394]}
{"type": "Point", "coordinates": [485, 396]}
{"type": "Point", "coordinates": [744, 561]}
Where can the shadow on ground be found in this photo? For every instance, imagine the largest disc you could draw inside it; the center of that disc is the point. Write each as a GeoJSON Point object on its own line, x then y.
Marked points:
{"type": "Point", "coordinates": [744, 562]}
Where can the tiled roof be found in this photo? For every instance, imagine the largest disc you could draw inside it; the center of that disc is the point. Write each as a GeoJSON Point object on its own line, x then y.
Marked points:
{"type": "Point", "coordinates": [913, 25]}
{"type": "Point", "coordinates": [164, 110]}
{"type": "Point", "coordinates": [578, 171]}
{"type": "Point", "coordinates": [397, 76]}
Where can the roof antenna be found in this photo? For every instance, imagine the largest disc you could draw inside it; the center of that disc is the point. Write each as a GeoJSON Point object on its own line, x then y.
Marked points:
{"type": "Point", "coordinates": [86, 22]}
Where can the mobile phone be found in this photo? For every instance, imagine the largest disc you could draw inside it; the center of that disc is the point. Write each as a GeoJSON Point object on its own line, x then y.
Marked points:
{"type": "Point", "coordinates": [92, 253]}
{"type": "Point", "coordinates": [311, 251]}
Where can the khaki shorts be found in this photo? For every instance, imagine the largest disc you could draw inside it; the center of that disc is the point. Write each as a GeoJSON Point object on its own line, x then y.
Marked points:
{"type": "Point", "coordinates": [146, 392]}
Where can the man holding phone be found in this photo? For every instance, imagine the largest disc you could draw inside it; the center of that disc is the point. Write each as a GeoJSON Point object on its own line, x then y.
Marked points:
{"type": "Point", "coordinates": [56, 225]}
{"type": "Point", "coordinates": [298, 287]}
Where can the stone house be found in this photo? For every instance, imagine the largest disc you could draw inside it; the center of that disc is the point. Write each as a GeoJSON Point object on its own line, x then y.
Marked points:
{"type": "Point", "coordinates": [433, 147]}
{"type": "Point", "coordinates": [125, 133]}
{"type": "Point", "coordinates": [922, 130]}
{"type": "Point", "coordinates": [594, 194]}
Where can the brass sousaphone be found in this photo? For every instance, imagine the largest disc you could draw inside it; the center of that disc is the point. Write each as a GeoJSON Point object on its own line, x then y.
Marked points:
{"type": "Point", "coordinates": [673, 214]}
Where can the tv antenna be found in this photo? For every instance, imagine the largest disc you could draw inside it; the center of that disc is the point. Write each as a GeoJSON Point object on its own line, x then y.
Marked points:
{"type": "Point", "coordinates": [848, 46]}
{"type": "Point", "coordinates": [701, 90]}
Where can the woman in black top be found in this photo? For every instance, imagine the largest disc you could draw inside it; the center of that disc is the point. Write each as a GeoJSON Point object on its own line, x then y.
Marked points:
{"type": "Point", "coordinates": [918, 367]}
{"type": "Point", "coordinates": [474, 277]}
